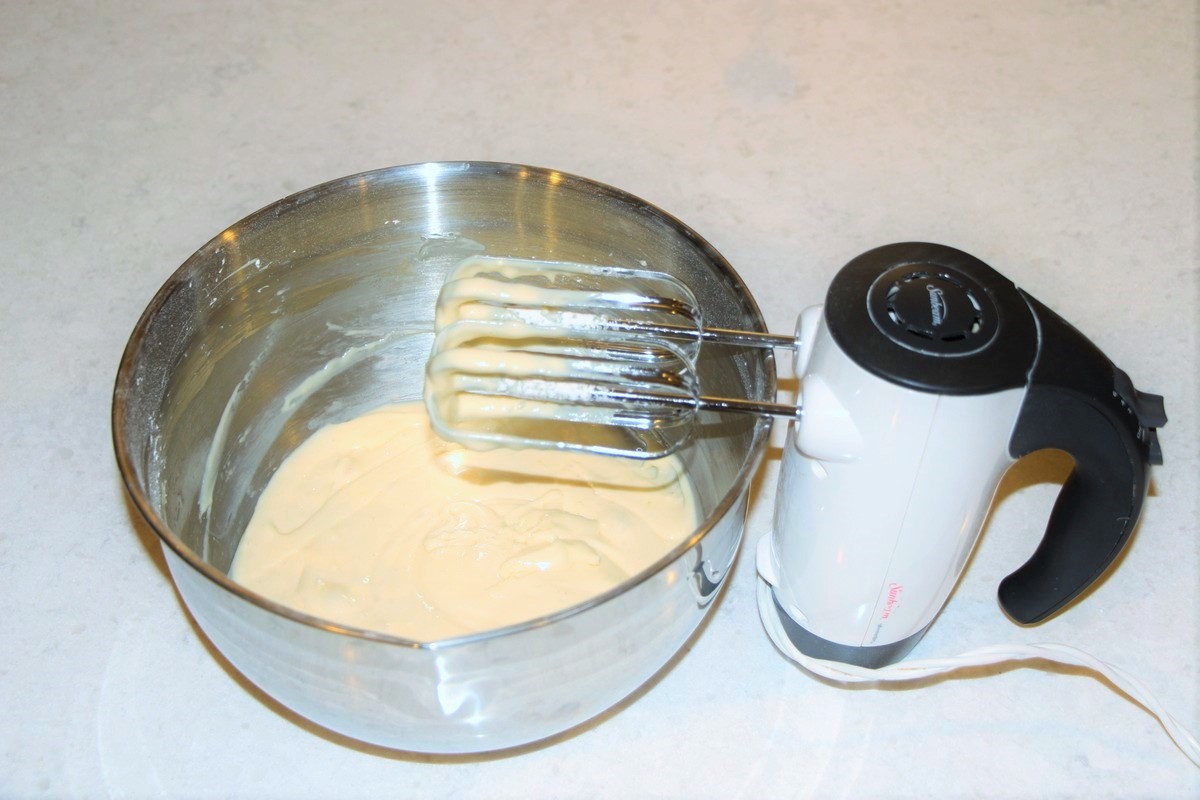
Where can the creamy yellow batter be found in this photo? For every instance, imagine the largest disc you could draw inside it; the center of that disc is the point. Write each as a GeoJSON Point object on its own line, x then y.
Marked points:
{"type": "Point", "coordinates": [379, 524]}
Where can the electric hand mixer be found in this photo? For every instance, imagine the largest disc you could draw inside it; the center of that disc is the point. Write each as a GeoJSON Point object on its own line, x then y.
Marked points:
{"type": "Point", "coordinates": [925, 374]}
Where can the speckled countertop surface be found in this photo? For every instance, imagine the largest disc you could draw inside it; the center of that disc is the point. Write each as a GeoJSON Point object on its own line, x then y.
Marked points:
{"type": "Point", "coordinates": [1055, 140]}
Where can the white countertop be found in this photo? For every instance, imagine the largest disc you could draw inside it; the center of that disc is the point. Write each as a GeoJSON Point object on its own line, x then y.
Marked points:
{"type": "Point", "coordinates": [1055, 140]}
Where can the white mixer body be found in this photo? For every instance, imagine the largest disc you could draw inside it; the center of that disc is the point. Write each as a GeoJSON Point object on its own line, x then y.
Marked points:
{"type": "Point", "coordinates": [924, 376]}
{"type": "Point", "coordinates": [883, 493]}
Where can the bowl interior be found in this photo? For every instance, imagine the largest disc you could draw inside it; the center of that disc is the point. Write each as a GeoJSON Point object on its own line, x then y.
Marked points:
{"type": "Point", "coordinates": [319, 308]}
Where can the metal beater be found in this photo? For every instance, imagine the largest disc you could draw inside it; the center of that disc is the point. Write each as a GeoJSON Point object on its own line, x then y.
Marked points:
{"type": "Point", "coordinates": [570, 356]}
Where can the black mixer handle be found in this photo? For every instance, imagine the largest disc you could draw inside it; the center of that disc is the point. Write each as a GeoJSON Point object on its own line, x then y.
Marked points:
{"type": "Point", "coordinates": [1080, 402]}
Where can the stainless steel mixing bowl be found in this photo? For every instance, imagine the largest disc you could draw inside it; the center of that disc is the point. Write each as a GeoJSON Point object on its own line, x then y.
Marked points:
{"type": "Point", "coordinates": [318, 308]}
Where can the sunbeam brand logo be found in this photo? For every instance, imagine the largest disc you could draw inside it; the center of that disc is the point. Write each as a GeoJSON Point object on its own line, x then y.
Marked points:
{"type": "Point", "coordinates": [893, 600]}
{"type": "Point", "coordinates": [937, 304]}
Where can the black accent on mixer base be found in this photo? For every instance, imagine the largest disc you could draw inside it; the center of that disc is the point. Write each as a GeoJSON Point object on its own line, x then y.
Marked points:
{"type": "Point", "coordinates": [871, 657]}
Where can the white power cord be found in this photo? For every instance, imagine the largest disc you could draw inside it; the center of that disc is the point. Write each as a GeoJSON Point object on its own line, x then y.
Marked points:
{"type": "Point", "coordinates": [994, 654]}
